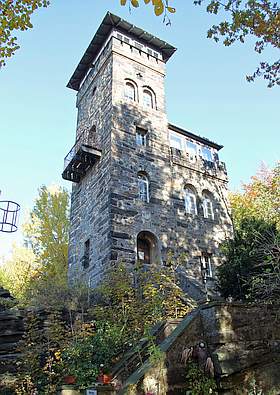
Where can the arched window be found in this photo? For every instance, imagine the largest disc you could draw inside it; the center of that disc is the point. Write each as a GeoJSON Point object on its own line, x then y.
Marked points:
{"type": "Point", "coordinates": [190, 200]}
{"type": "Point", "coordinates": [147, 248]}
{"type": "Point", "coordinates": [207, 204]}
{"type": "Point", "coordinates": [130, 92]}
{"type": "Point", "coordinates": [148, 98]}
{"type": "Point", "coordinates": [143, 187]}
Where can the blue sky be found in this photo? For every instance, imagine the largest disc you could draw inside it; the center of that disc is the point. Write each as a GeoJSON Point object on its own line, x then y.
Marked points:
{"type": "Point", "coordinates": [206, 93]}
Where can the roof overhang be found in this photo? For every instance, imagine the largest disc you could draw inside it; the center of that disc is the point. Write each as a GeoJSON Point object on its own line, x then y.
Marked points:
{"type": "Point", "coordinates": [193, 136]}
{"type": "Point", "coordinates": [109, 22]}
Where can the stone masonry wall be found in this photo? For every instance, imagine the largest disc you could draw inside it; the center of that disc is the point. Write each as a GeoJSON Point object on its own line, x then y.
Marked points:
{"type": "Point", "coordinates": [90, 208]}
{"type": "Point", "coordinates": [242, 340]}
{"type": "Point", "coordinates": [105, 207]}
{"type": "Point", "coordinates": [164, 215]}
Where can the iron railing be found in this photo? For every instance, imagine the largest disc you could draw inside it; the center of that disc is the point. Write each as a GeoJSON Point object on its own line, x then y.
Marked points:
{"type": "Point", "coordinates": [87, 138]}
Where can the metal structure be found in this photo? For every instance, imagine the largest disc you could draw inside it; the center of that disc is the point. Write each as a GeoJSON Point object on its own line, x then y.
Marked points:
{"type": "Point", "coordinates": [9, 212]}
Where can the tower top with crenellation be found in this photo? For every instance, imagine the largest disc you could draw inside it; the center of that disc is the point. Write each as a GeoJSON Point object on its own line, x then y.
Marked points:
{"type": "Point", "coordinates": [113, 25]}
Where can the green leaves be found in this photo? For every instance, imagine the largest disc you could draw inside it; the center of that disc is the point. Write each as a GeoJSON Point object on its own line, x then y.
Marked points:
{"type": "Point", "coordinates": [15, 15]}
{"type": "Point", "coordinates": [253, 257]}
{"type": "Point", "coordinates": [260, 19]}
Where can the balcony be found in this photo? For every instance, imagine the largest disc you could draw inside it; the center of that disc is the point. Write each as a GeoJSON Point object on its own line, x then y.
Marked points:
{"type": "Point", "coordinates": [82, 156]}
{"type": "Point", "coordinates": [213, 168]}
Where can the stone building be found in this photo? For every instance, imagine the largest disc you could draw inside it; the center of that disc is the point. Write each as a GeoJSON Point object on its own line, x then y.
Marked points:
{"type": "Point", "coordinates": [141, 186]}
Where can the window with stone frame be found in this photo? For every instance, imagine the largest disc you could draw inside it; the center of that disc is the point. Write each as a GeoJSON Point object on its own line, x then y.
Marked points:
{"type": "Point", "coordinates": [207, 205]}
{"type": "Point", "coordinates": [143, 187]}
{"type": "Point", "coordinates": [190, 200]}
{"type": "Point", "coordinates": [130, 92]}
{"type": "Point", "coordinates": [148, 98]}
{"type": "Point", "coordinates": [141, 136]}
{"type": "Point", "coordinates": [206, 265]}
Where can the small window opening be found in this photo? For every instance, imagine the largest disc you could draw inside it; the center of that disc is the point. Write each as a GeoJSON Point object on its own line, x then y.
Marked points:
{"type": "Point", "coordinates": [138, 45]}
{"type": "Point", "coordinates": [143, 187]}
{"type": "Point", "coordinates": [92, 136]}
{"type": "Point", "coordinates": [141, 136]}
{"type": "Point", "coordinates": [93, 91]}
{"type": "Point", "coordinates": [85, 258]}
{"type": "Point", "coordinates": [206, 266]}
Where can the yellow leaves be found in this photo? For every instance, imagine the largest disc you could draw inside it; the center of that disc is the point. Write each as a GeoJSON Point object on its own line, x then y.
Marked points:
{"type": "Point", "coordinates": [135, 3]}
{"type": "Point", "coordinates": [172, 10]}
{"type": "Point", "coordinates": [57, 355]}
{"type": "Point", "coordinates": [159, 9]}
{"type": "Point", "coordinates": [160, 6]}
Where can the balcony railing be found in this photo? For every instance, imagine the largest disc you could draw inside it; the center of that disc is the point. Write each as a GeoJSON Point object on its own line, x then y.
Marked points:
{"type": "Point", "coordinates": [183, 158]}
{"type": "Point", "coordinates": [82, 156]}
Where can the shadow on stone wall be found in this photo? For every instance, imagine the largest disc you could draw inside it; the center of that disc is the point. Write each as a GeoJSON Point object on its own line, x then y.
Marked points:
{"type": "Point", "coordinates": [164, 216]}
{"type": "Point", "coordinates": [242, 340]}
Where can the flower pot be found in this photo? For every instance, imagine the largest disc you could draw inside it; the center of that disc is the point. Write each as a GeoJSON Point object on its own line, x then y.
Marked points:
{"type": "Point", "coordinates": [69, 379]}
{"type": "Point", "coordinates": [106, 379]}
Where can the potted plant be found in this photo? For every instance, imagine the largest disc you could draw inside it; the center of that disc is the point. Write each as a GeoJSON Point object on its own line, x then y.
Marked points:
{"type": "Point", "coordinates": [104, 376]}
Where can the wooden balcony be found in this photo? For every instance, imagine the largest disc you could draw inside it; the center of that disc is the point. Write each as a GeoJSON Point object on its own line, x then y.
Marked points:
{"type": "Point", "coordinates": [82, 156]}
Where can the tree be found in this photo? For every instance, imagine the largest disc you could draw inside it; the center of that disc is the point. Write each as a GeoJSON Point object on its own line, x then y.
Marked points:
{"type": "Point", "coordinates": [246, 259]}
{"type": "Point", "coordinates": [257, 18]}
{"type": "Point", "coordinates": [18, 272]}
{"type": "Point", "coordinates": [260, 198]}
{"type": "Point", "coordinates": [39, 268]}
{"type": "Point", "coordinates": [47, 230]}
{"type": "Point", "coordinates": [15, 15]}
{"type": "Point", "coordinates": [252, 266]}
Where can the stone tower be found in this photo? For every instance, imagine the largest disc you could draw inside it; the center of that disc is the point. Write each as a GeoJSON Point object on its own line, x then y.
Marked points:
{"type": "Point", "coordinates": [141, 186]}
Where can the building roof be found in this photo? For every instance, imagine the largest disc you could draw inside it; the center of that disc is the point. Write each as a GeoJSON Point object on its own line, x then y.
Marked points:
{"type": "Point", "coordinates": [193, 136]}
{"type": "Point", "coordinates": [109, 22]}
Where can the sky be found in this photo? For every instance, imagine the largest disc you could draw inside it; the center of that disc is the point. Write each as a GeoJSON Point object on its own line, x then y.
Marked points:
{"type": "Point", "coordinates": [206, 93]}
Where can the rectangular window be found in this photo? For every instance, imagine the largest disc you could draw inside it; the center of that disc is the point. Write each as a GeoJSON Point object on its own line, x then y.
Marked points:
{"type": "Point", "coordinates": [138, 45]}
{"type": "Point", "coordinates": [141, 137]}
{"type": "Point", "coordinates": [176, 141]}
{"type": "Point", "coordinates": [191, 150]}
{"type": "Point", "coordinates": [206, 265]}
{"type": "Point", "coordinates": [206, 154]}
